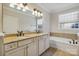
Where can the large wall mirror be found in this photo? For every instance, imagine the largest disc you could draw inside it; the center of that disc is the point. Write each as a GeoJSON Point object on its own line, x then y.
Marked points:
{"type": "Point", "coordinates": [16, 20]}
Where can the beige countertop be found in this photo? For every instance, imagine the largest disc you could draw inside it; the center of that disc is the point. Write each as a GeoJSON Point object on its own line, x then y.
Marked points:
{"type": "Point", "coordinates": [26, 36]}
{"type": "Point", "coordinates": [66, 32]}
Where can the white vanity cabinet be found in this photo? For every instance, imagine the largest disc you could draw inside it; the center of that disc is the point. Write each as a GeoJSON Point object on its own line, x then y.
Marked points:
{"type": "Point", "coordinates": [33, 46]}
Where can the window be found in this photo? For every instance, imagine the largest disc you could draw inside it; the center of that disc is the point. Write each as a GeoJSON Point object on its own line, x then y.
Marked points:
{"type": "Point", "coordinates": [69, 25]}
{"type": "Point", "coordinates": [69, 20]}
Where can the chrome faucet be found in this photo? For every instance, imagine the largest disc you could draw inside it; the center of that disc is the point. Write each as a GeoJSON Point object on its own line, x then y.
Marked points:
{"type": "Point", "coordinates": [20, 33]}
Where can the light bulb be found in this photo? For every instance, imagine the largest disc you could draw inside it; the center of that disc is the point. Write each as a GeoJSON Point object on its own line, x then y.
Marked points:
{"type": "Point", "coordinates": [38, 14]}
{"type": "Point", "coordinates": [26, 7]}
{"type": "Point", "coordinates": [19, 8]}
{"type": "Point", "coordinates": [24, 10]}
{"type": "Point", "coordinates": [21, 5]}
{"type": "Point", "coordinates": [41, 14]}
{"type": "Point", "coordinates": [33, 12]}
{"type": "Point", "coordinates": [12, 5]}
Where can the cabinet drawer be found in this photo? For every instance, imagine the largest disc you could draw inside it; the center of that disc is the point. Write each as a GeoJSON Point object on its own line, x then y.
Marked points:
{"type": "Point", "coordinates": [20, 51]}
{"type": "Point", "coordinates": [10, 46]}
{"type": "Point", "coordinates": [24, 42]}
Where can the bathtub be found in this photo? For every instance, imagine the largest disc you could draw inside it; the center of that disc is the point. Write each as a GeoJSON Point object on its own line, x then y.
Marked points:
{"type": "Point", "coordinates": [64, 45]}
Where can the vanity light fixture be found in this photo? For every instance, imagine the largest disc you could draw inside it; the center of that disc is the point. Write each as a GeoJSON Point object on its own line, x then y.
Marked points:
{"type": "Point", "coordinates": [20, 6]}
{"type": "Point", "coordinates": [37, 13]}
{"type": "Point", "coordinates": [24, 7]}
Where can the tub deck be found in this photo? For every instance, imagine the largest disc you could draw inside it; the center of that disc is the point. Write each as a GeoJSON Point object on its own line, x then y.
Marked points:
{"type": "Point", "coordinates": [64, 45]}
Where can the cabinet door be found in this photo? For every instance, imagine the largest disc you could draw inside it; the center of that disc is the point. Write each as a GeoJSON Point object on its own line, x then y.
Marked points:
{"type": "Point", "coordinates": [46, 42]}
{"type": "Point", "coordinates": [35, 46]}
{"type": "Point", "coordinates": [41, 45]}
{"type": "Point", "coordinates": [17, 52]}
{"type": "Point", "coordinates": [33, 49]}
{"type": "Point", "coordinates": [30, 49]}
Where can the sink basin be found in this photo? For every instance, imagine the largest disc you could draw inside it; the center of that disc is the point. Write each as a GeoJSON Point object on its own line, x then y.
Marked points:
{"type": "Point", "coordinates": [23, 37]}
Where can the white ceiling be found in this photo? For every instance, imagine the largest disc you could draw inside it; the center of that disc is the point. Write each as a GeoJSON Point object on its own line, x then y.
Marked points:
{"type": "Point", "coordinates": [57, 7]}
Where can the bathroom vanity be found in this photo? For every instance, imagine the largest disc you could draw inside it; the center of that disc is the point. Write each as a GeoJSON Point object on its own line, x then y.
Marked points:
{"type": "Point", "coordinates": [15, 21]}
{"type": "Point", "coordinates": [28, 45]}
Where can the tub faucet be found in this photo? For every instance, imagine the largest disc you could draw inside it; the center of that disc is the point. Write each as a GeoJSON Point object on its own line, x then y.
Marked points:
{"type": "Point", "coordinates": [73, 42]}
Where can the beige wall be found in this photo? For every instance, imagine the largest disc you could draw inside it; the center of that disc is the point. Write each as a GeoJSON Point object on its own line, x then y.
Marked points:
{"type": "Point", "coordinates": [55, 24]}
{"type": "Point", "coordinates": [0, 17]}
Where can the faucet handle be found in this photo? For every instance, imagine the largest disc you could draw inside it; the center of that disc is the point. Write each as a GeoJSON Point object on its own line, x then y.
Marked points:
{"type": "Point", "coordinates": [18, 33]}
{"type": "Point", "coordinates": [22, 33]}
{"type": "Point", "coordinates": [76, 42]}
{"type": "Point", "coordinates": [70, 42]}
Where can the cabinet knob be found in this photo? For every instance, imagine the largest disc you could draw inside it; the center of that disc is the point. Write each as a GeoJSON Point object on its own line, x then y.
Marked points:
{"type": "Point", "coordinates": [10, 46]}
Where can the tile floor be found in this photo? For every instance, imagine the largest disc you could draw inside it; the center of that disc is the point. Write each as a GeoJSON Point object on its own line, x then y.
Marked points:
{"type": "Point", "coordinates": [55, 52]}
